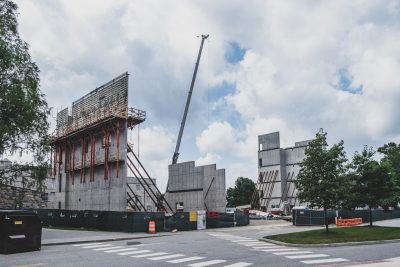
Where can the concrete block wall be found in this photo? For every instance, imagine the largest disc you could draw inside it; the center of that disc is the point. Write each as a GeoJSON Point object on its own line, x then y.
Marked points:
{"type": "Point", "coordinates": [189, 184]}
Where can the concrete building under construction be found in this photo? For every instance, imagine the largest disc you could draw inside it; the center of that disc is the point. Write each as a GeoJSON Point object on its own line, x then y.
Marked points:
{"type": "Point", "coordinates": [277, 168]}
{"type": "Point", "coordinates": [193, 187]}
{"type": "Point", "coordinates": [91, 155]}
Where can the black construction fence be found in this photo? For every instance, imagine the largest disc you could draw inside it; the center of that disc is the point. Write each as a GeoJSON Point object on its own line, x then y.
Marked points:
{"type": "Point", "coordinates": [306, 217]}
{"type": "Point", "coordinates": [135, 221]}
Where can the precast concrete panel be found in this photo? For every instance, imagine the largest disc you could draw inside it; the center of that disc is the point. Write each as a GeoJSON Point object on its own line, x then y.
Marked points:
{"type": "Point", "coordinates": [191, 184]}
{"type": "Point", "coordinates": [270, 157]}
{"type": "Point", "coordinates": [99, 194]}
{"type": "Point", "coordinates": [302, 143]}
{"type": "Point", "coordinates": [295, 155]}
{"type": "Point", "coordinates": [268, 141]}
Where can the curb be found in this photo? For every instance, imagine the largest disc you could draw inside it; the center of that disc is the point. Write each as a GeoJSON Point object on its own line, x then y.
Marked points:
{"type": "Point", "coordinates": [100, 240]}
{"type": "Point", "coordinates": [331, 244]}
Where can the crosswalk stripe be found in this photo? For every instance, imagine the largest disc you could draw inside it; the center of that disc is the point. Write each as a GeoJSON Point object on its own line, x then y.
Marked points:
{"type": "Point", "coordinates": [186, 259]}
{"type": "Point", "coordinates": [206, 263]}
{"type": "Point", "coordinates": [99, 249]}
{"type": "Point", "coordinates": [253, 244]}
{"type": "Point", "coordinates": [279, 249]}
{"type": "Point", "coordinates": [265, 247]}
{"type": "Point", "coordinates": [167, 257]}
{"type": "Point", "coordinates": [292, 252]}
{"type": "Point", "coordinates": [149, 255]}
{"type": "Point", "coordinates": [133, 252]}
{"type": "Point", "coordinates": [119, 250]}
{"type": "Point", "coordinates": [239, 264]}
{"type": "Point", "coordinates": [245, 240]}
{"type": "Point", "coordinates": [98, 246]}
{"type": "Point", "coordinates": [324, 261]}
{"type": "Point", "coordinates": [307, 256]}
{"type": "Point", "coordinates": [86, 244]}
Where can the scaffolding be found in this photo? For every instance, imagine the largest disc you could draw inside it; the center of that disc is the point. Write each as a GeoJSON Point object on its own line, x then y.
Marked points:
{"type": "Point", "coordinates": [90, 136]}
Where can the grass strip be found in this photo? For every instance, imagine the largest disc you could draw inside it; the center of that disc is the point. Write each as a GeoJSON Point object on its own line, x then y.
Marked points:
{"type": "Point", "coordinates": [339, 235]}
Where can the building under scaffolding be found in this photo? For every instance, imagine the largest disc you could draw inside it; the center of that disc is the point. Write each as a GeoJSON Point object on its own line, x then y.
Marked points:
{"type": "Point", "coordinates": [91, 155]}
{"type": "Point", "coordinates": [277, 168]}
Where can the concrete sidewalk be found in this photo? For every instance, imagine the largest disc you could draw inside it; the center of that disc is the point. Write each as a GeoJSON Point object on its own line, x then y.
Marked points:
{"type": "Point", "coordinates": [389, 223]}
{"type": "Point", "coordinates": [52, 237]}
{"type": "Point", "coordinates": [383, 263]}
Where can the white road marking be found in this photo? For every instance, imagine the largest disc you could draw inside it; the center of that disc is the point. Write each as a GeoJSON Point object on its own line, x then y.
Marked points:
{"type": "Point", "coordinates": [307, 256]}
{"type": "Point", "coordinates": [119, 250]}
{"type": "Point", "coordinates": [239, 264]}
{"type": "Point", "coordinates": [186, 259]}
{"type": "Point", "coordinates": [166, 257]}
{"type": "Point", "coordinates": [99, 246]}
{"type": "Point", "coordinates": [324, 261]}
{"type": "Point", "coordinates": [265, 247]}
{"type": "Point", "coordinates": [245, 240]}
{"type": "Point", "coordinates": [98, 249]}
{"type": "Point", "coordinates": [206, 263]}
{"type": "Point", "coordinates": [292, 252]}
{"type": "Point", "coordinates": [149, 255]}
{"type": "Point", "coordinates": [251, 243]}
{"type": "Point", "coordinates": [133, 252]}
{"type": "Point", "coordinates": [279, 249]}
{"type": "Point", "coordinates": [87, 244]}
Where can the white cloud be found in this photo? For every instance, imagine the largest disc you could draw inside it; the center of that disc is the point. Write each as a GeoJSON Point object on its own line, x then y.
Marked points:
{"type": "Point", "coordinates": [287, 81]}
{"type": "Point", "coordinates": [219, 137]}
{"type": "Point", "coordinates": [209, 158]}
{"type": "Point", "coordinates": [155, 151]}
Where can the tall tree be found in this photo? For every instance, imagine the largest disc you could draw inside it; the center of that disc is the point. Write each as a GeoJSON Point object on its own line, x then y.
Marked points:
{"type": "Point", "coordinates": [23, 109]}
{"type": "Point", "coordinates": [371, 183]}
{"type": "Point", "coordinates": [241, 193]}
{"type": "Point", "coordinates": [321, 181]}
{"type": "Point", "coordinates": [391, 161]}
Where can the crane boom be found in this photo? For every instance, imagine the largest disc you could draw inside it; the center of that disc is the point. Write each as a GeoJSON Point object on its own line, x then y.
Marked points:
{"type": "Point", "coordinates": [178, 143]}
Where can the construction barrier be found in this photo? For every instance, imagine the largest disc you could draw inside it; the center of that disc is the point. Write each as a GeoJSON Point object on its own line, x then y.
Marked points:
{"type": "Point", "coordinates": [136, 221]}
{"type": "Point", "coordinates": [242, 218]}
{"type": "Point", "coordinates": [305, 217]}
{"type": "Point", "coordinates": [152, 227]}
{"type": "Point", "coordinates": [179, 221]}
{"type": "Point", "coordinates": [348, 222]}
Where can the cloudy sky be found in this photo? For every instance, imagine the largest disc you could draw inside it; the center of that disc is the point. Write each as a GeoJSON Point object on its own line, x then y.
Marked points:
{"type": "Point", "coordinates": [288, 66]}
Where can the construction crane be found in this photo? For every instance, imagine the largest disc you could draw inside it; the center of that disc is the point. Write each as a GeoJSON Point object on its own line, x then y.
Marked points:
{"type": "Point", "coordinates": [178, 143]}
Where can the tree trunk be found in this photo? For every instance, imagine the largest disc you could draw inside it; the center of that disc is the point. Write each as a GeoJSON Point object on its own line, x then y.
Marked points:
{"type": "Point", "coordinates": [326, 221]}
{"type": "Point", "coordinates": [370, 216]}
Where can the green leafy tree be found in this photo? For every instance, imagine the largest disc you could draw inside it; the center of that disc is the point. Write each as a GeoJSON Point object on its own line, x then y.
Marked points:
{"type": "Point", "coordinates": [321, 181]}
{"type": "Point", "coordinates": [371, 183]}
{"type": "Point", "coordinates": [23, 109]}
{"type": "Point", "coordinates": [391, 161]}
{"type": "Point", "coordinates": [241, 193]}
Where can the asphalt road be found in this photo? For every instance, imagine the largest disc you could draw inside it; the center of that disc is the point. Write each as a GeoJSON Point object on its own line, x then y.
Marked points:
{"type": "Point", "coordinates": [235, 247]}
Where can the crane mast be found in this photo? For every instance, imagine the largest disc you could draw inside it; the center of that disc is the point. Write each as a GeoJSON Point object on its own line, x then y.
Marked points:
{"type": "Point", "coordinates": [178, 143]}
